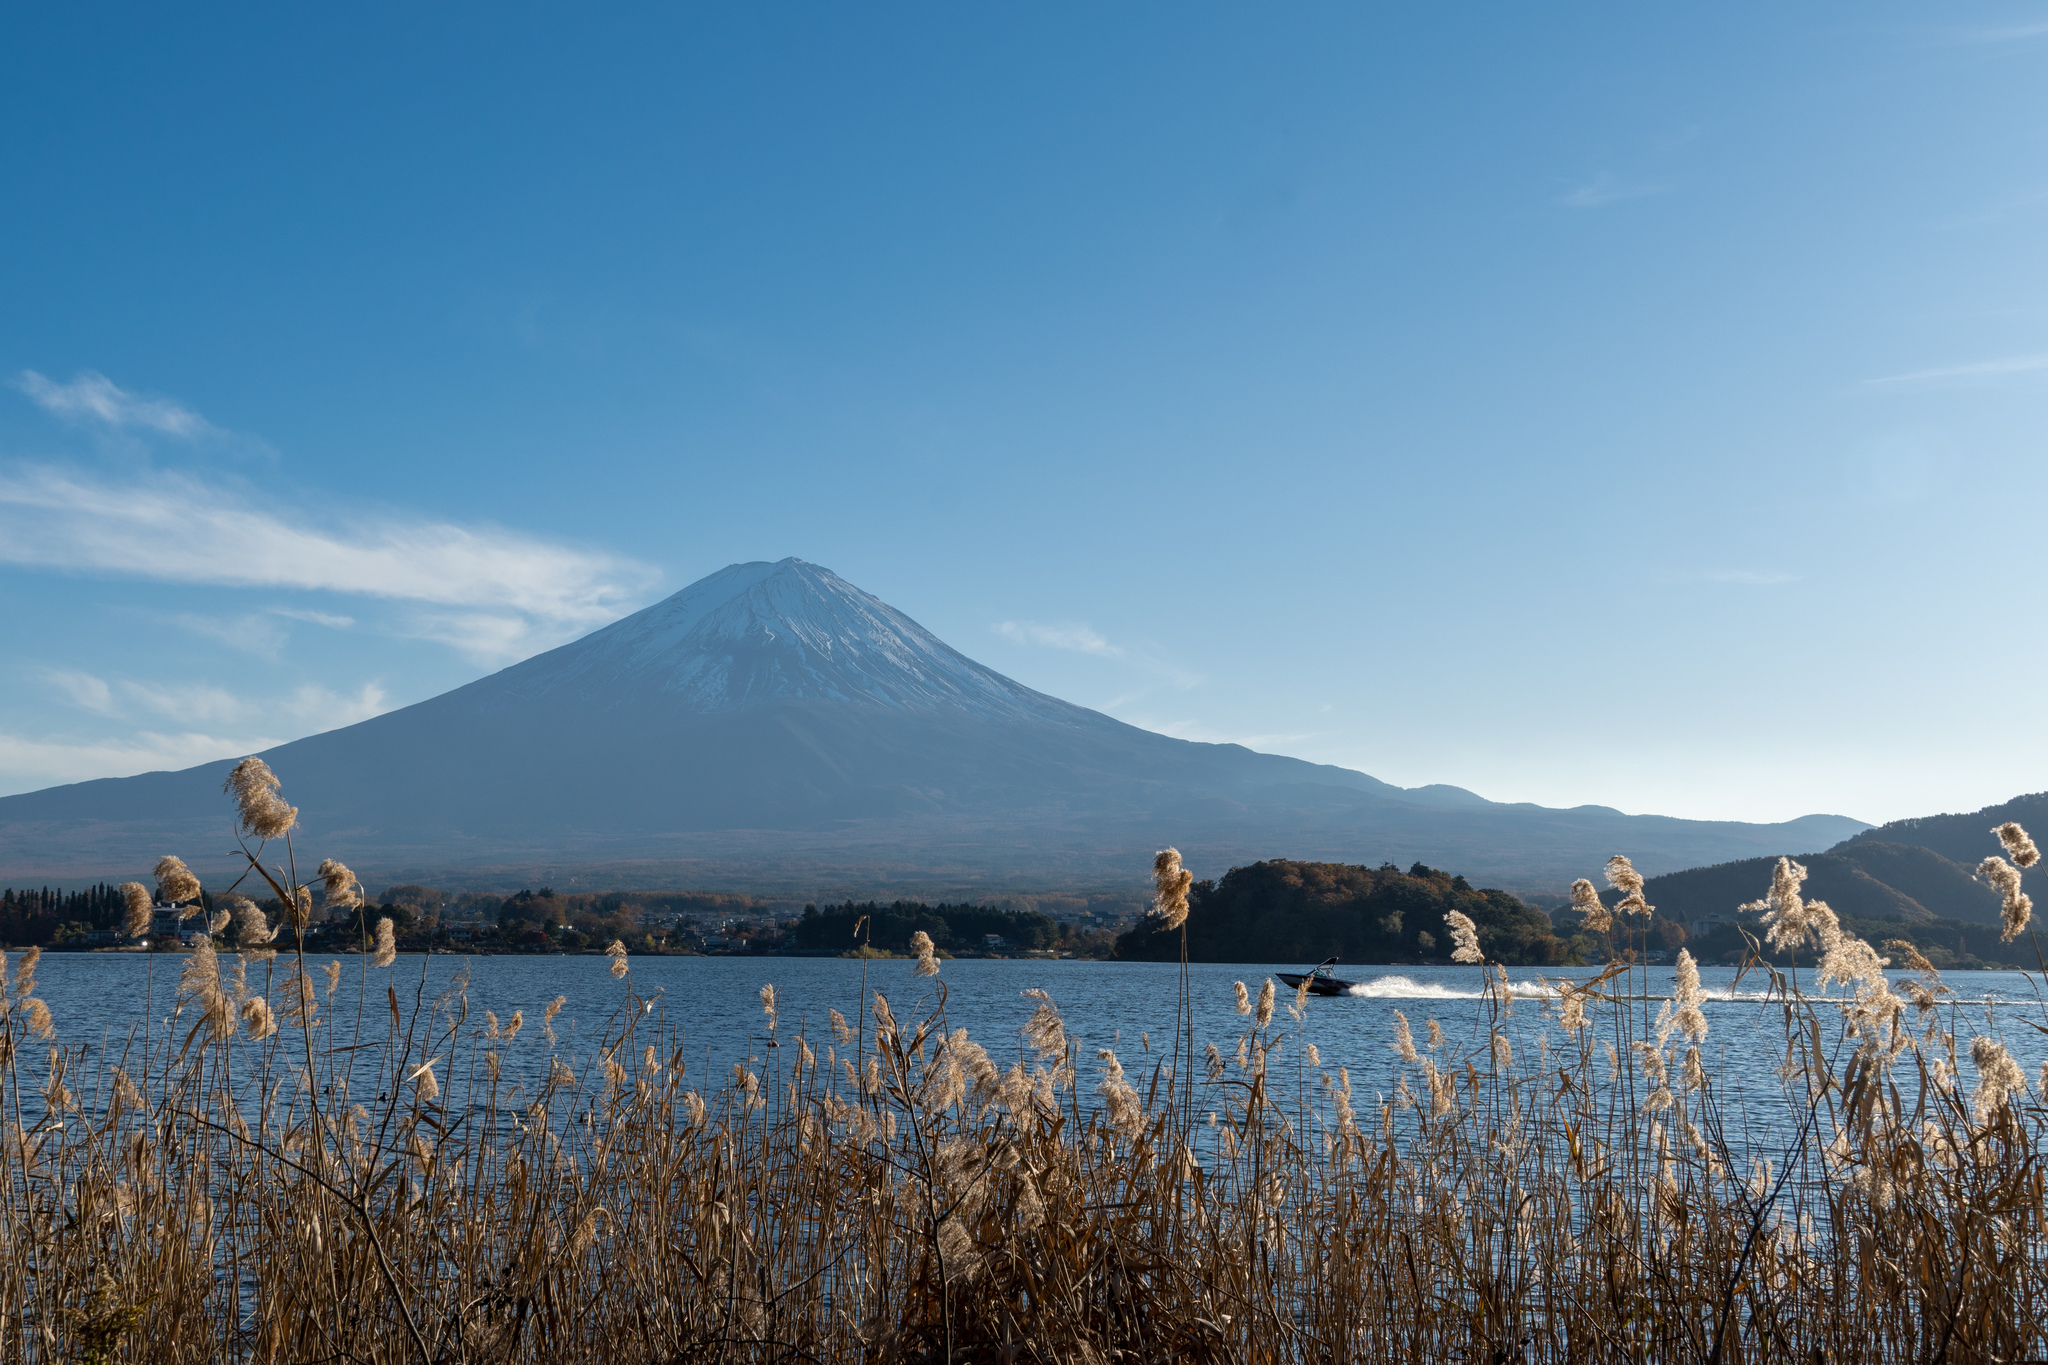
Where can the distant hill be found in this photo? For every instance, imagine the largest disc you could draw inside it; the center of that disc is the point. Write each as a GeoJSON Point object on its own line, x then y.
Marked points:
{"type": "Point", "coordinates": [1286, 911]}
{"type": "Point", "coordinates": [773, 729]}
{"type": "Point", "coordinates": [1911, 879]}
{"type": "Point", "coordinates": [1866, 880]}
{"type": "Point", "coordinates": [1967, 839]}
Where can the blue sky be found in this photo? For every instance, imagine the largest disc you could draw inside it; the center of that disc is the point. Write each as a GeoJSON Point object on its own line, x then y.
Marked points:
{"type": "Point", "coordinates": [1633, 405]}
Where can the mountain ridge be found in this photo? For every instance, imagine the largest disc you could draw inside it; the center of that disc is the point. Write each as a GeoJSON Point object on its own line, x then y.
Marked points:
{"type": "Point", "coordinates": [774, 717]}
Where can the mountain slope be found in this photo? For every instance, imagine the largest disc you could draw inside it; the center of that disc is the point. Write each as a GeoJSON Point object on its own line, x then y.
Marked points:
{"type": "Point", "coordinates": [1967, 839]}
{"type": "Point", "coordinates": [1863, 880]}
{"type": "Point", "coordinates": [773, 724]}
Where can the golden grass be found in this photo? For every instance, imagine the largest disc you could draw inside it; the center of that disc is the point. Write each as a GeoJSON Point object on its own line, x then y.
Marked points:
{"type": "Point", "coordinates": [320, 1180]}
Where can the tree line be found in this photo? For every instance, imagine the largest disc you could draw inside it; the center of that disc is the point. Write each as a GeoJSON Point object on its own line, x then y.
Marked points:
{"type": "Point", "coordinates": [45, 917]}
{"type": "Point", "coordinates": [953, 928]}
{"type": "Point", "coordinates": [1286, 911]}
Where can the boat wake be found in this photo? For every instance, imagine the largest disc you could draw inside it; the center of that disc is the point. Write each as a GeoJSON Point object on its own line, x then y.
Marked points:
{"type": "Point", "coordinates": [1408, 988]}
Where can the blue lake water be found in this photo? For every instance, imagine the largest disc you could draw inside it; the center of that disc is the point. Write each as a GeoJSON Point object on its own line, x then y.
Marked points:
{"type": "Point", "coordinates": [97, 1001]}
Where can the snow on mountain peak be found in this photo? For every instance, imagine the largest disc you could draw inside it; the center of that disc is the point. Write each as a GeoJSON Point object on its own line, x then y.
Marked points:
{"type": "Point", "coordinates": [760, 632]}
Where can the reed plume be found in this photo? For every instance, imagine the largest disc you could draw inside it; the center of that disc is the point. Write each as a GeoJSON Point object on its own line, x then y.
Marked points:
{"type": "Point", "coordinates": [259, 809]}
{"type": "Point", "coordinates": [1244, 999]}
{"type": "Point", "coordinates": [1264, 1016]}
{"type": "Point", "coordinates": [256, 1018]}
{"type": "Point", "coordinates": [1464, 937]}
{"type": "Point", "coordinates": [1688, 995]}
{"type": "Point", "coordinates": [1850, 961]}
{"type": "Point", "coordinates": [253, 930]}
{"type": "Point", "coordinates": [1998, 1077]}
{"type": "Point", "coordinates": [616, 951]}
{"type": "Point", "coordinates": [927, 955]}
{"type": "Point", "coordinates": [1623, 877]}
{"type": "Point", "coordinates": [174, 881]}
{"type": "Point", "coordinates": [386, 951]}
{"type": "Point", "coordinates": [1045, 1032]}
{"type": "Point", "coordinates": [1912, 959]}
{"type": "Point", "coordinates": [301, 1001]}
{"type": "Point", "coordinates": [339, 888]}
{"type": "Point", "coordinates": [2019, 906]}
{"type": "Point", "coordinates": [422, 1081]}
{"type": "Point", "coordinates": [139, 910]}
{"type": "Point", "coordinates": [1120, 1102]}
{"type": "Point", "coordinates": [200, 984]}
{"type": "Point", "coordinates": [2018, 846]}
{"type": "Point", "coordinates": [1791, 921]}
{"type": "Point", "coordinates": [1587, 902]}
{"type": "Point", "coordinates": [1571, 1011]}
{"type": "Point", "coordinates": [1171, 882]}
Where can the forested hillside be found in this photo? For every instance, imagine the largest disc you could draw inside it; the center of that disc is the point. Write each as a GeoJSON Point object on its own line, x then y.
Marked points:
{"type": "Point", "coordinates": [1965, 839]}
{"type": "Point", "coordinates": [1863, 880]}
{"type": "Point", "coordinates": [1284, 911]}
{"type": "Point", "coordinates": [954, 928]}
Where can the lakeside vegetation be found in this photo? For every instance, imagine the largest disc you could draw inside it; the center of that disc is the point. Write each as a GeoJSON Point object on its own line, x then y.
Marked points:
{"type": "Point", "coordinates": [1286, 911]}
{"type": "Point", "coordinates": [425, 919]}
{"type": "Point", "coordinates": [316, 1161]}
{"type": "Point", "coordinates": [952, 929]}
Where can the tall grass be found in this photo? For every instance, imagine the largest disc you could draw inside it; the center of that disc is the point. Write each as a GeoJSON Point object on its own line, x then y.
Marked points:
{"type": "Point", "coordinates": [322, 1164]}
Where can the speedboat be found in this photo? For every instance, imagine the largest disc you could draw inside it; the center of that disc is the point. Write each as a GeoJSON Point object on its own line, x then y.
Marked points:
{"type": "Point", "coordinates": [1321, 979]}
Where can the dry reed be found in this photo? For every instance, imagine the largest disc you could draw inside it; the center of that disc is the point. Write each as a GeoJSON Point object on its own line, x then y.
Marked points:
{"type": "Point", "coordinates": [276, 1179]}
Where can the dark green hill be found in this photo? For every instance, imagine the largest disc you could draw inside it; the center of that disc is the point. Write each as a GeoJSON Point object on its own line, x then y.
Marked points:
{"type": "Point", "coordinates": [1943, 884]}
{"type": "Point", "coordinates": [1285, 911]}
{"type": "Point", "coordinates": [1966, 839]}
{"type": "Point", "coordinates": [1864, 880]}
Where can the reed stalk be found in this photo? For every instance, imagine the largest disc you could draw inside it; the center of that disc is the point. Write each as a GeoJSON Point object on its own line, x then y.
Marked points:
{"type": "Point", "coordinates": [296, 1182]}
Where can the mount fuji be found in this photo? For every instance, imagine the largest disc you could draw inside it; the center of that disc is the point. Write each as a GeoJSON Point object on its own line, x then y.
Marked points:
{"type": "Point", "coordinates": [772, 727]}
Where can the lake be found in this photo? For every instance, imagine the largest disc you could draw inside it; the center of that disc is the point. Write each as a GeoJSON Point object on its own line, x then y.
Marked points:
{"type": "Point", "coordinates": [97, 1001]}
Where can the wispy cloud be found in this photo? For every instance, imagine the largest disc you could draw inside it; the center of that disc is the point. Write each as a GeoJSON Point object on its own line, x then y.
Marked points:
{"type": "Point", "coordinates": [254, 633]}
{"type": "Point", "coordinates": [27, 763]}
{"type": "Point", "coordinates": [1604, 189]}
{"type": "Point", "coordinates": [82, 690]}
{"type": "Point", "coordinates": [1978, 373]}
{"type": "Point", "coordinates": [531, 592]}
{"type": "Point", "coordinates": [331, 710]}
{"type": "Point", "coordinates": [93, 397]}
{"type": "Point", "coordinates": [1058, 635]}
{"type": "Point", "coordinates": [305, 709]}
{"type": "Point", "coordinates": [318, 618]}
{"type": "Point", "coordinates": [1079, 638]}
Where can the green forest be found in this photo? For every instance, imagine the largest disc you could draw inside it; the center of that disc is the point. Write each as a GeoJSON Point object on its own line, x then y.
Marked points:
{"type": "Point", "coordinates": [1285, 911]}
{"type": "Point", "coordinates": [49, 917]}
{"type": "Point", "coordinates": [953, 928]}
